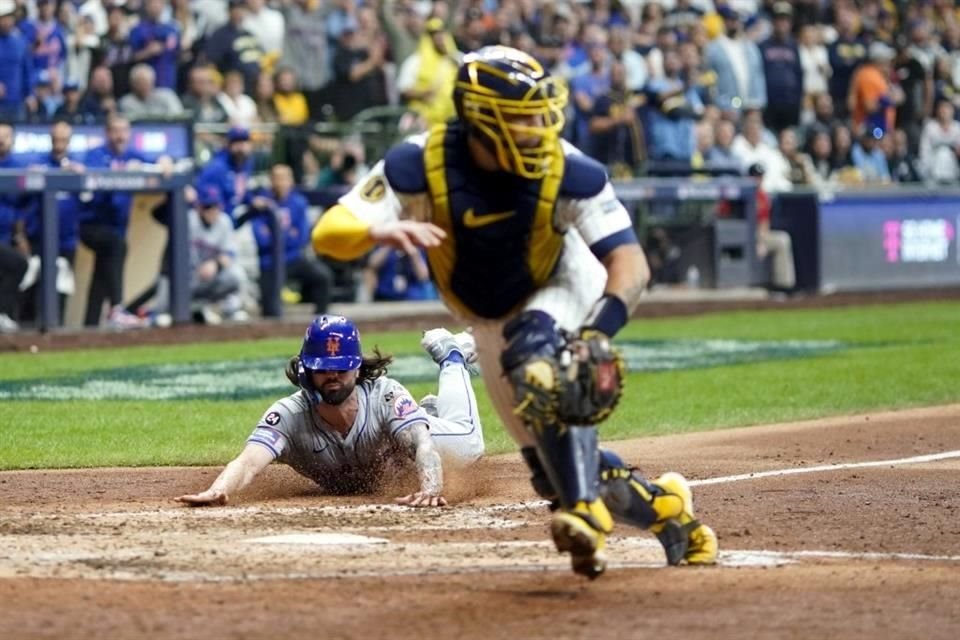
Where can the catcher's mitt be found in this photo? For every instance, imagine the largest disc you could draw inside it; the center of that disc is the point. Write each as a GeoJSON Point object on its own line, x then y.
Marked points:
{"type": "Point", "coordinates": [581, 385]}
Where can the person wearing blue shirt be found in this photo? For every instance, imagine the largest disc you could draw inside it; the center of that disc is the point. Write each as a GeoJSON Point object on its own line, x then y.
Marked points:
{"type": "Point", "coordinates": [672, 112]}
{"type": "Point", "coordinates": [229, 170]}
{"type": "Point", "coordinates": [16, 64]}
{"type": "Point", "coordinates": [13, 250]}
{"type": "Point", "coordinates": [283, 201]}
{"type": "Point", "coordinates": [48, 39]}
{"type": "Point", "coordinates": [103, 225]}
{"type": "Point", "coordinates": [68, 204]}
{"type": "Point", "coordinates": [392, 274]}
{"type": "Point", "coordinates": [783, 72]}
{"type": "Point", "coordinates": [157, 43]}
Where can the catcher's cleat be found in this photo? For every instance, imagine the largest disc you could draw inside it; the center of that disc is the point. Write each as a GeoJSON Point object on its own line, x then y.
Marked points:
{"type": "Point", "coordinates": [685, 540]}
{"type": "Point", "coordinates": [440, 344]}
{"type": "Point", "coordinates": [581, 531]}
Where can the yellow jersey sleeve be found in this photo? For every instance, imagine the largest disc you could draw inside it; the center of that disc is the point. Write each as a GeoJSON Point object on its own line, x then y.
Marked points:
{"type": "Point", "coordinates": [341, 235]}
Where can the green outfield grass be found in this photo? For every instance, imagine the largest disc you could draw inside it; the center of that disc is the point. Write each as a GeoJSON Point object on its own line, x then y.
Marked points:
{"type": "Point", "coordinates": [898, 356]}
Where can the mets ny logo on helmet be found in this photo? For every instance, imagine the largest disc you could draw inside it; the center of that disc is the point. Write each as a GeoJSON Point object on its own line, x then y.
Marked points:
{"type": "Point", "coordinates": [333, 345]}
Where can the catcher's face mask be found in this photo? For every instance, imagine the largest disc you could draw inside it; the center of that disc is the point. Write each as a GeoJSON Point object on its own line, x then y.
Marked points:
{"type": "Point", "coordinates": [514, 106]}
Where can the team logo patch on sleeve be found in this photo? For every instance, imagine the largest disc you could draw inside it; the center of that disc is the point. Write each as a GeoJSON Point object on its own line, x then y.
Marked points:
{"type": "Point", "coordinates": [272, 419]}
{"type": "Point", "coordinates": [404, 405]}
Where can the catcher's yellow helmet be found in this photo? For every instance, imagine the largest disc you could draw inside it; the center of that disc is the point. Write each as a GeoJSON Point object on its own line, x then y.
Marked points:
{"type": "Point", "coordinates": [514, 106]}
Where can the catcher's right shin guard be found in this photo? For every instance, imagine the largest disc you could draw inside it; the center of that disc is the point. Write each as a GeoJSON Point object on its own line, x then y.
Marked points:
{"type": "Point", "coordinates": [665, 506]}
{"type": "Point", "coordinates": [570, 463]}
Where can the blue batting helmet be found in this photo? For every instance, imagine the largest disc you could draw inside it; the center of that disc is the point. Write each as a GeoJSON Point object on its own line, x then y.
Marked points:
{"type": "Point", "coordinates": [511, 103]}
{"type": "Point", "coordinates": [331, 343]}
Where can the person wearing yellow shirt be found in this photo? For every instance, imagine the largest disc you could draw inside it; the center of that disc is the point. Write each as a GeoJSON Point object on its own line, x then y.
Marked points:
{"type": "Point", "coordinates": [289, 101]}
{"type": "Point", "coordinates": [426, 78]}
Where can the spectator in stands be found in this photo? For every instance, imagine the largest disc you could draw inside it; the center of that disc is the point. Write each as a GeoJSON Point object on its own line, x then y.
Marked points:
{"type": "Point", "coordinates": [672, 110]}
{"type": "Point", "coordinates": [103, 227]}
{"type": "Point", "coordinates": [268, 26]}
{"type": "Point", "coordinates": [240, 108]}
{"type": "Point", "coordinates": [201, 97]}
{"type": "Point", "coordinates": [872, 100]}
{"type": "Point", "coordinates": [45, 101]}
{"type": "Point", "coordinates": [697, 75]}
{"type": "Point", "coordinates": [48, 41]}
{"type": "Point", "coordinates": [738, 65]}
{"type": "Point", "coordinates": [633, 63]}
{"type": "Point", "coordinates": [842, 143]}
{"type": "Point", "coordinates": [216, 278]}
{"type": "Point", "coordinates": [783, 72]}
{"type": "Point", "coordinates": [289, 208]}
{"type": "Point", "coordinates": [426, 78]}
{"type": "Point", "coordinates": [904, 167]}
{"type": "Point", "coordinates": [666, 40]}
{"type": "Point", "coordinates": [146, 100]}
{"type": "Point", "coordinates": [82, 45]}
{"type": "Point", "coordinates": [820, 149]}
{"type": "Point", "coordinates": [192, 25]}
{"type": "Point", "coordinates": [98, 101]}
{"type": "Point", "coordinates": [846, 53]}
{"type": "Point", "coordinates": [263, 98]}
{"type": "Point", "coordinates": [815, 62]}
{"type": "Point", "coordinates": [719, 154]}
{"type": "Point", "coordinates": [115, 51]}
{"type": "Point", "coordinates": [306, 51]}
{"type": "Point", "coordinates": [156, 42]}
{"type": "Point", "coordinates": [13, 248]}
{"type": "Point", "coordinates": [289, 102]}
{"type": "Point", "coordinates": [68, 212]}
{"type": "Point", "coordinates": [404, 25]}
{"type": "Point", "coordinates": [868, 157]}
{"type": "Point", "coordinates": [391, 275]}
{"type": "Point", "coordinates": [823, 112]}
{"type": "Point", "coordinates": [616, 135]}
{"type": "Point", "coordinates": [359, 78]}
{"type": "Point", "coordinates": [233, 48]}
{"type": "Point", "coordinates": [230, 170]}
{"type": "Point", "coordinates": [751, 149]}
{"type": "Point", "coordinates": [70, 110]}
{"type": "Point", "coordinates": [592, 82]}
{"type": "Point", "coordinates": [16, 64]}
{"type": "Point", "coordinates": [917, 86]}
{"type": "Point", "coordinates": [940, 145]}
{"type": "Point", "coordinates": [683, 15]}
{"type": "Point", "coordinates": [800, 169]}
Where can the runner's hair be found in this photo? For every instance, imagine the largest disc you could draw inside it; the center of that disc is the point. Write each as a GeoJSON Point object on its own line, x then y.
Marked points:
{"type": "Point", "coordinates": [371, 368]}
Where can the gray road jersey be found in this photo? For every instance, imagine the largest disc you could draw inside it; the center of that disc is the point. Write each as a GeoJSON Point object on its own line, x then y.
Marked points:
{"type": "Point", "coordinates": [296, 436]}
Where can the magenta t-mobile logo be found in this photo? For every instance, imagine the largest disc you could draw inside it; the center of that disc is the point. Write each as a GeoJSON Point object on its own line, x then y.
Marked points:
{"type": "Point", "coordinates": [891, 240]}
{"type": "Point", "coordinates": [917, 240]}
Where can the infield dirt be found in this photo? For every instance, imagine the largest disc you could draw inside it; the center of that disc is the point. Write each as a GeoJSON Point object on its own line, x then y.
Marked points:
{"type": "Point", "coordinates": [871, 552]}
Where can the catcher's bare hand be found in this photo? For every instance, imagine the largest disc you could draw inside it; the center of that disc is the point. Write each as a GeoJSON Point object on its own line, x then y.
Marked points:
{"type": "Point", "coordinates": [408, 235]}
{"type": "Point", "coordinates": [207, 498]}
{"type": "Point", "coordinates": [422, 499]}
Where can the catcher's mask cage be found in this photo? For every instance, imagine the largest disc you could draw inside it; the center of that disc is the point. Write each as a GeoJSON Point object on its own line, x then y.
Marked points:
{"type": "Point", "coordinates": [512, 104]}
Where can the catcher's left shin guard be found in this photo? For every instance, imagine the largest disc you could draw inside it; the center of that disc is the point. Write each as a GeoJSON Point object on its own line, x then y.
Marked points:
{"type": "Point", "coordinates": [664, 506]}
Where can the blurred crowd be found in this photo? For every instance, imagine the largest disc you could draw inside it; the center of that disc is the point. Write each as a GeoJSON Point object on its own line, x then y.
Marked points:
{"type": "Point", "coordinates": [804, 93]}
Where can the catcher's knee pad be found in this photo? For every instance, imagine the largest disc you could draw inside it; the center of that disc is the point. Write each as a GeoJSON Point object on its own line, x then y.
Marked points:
{"type": "Point", "coordinates": [626, 493]}
{"type": "Point", "coordinates": [529, 361]}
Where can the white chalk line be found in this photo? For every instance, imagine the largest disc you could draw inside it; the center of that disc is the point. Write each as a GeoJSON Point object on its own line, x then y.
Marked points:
{"type": "Point", "coordinates": [841, 466]}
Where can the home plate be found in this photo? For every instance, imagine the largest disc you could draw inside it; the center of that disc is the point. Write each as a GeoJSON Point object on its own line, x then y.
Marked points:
{"type": "Point", "coordinates": [318, 539]}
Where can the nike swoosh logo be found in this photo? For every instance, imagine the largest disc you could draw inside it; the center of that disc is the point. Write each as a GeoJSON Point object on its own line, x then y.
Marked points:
{"type": "Point", "coordinates": [472, 220]}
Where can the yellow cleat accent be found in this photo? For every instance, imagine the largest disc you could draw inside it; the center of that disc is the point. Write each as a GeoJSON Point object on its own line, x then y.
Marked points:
{"type": "Point", "coordinates": [581, 531]}
{"type": "Point", "coordinates": [685, 539]}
